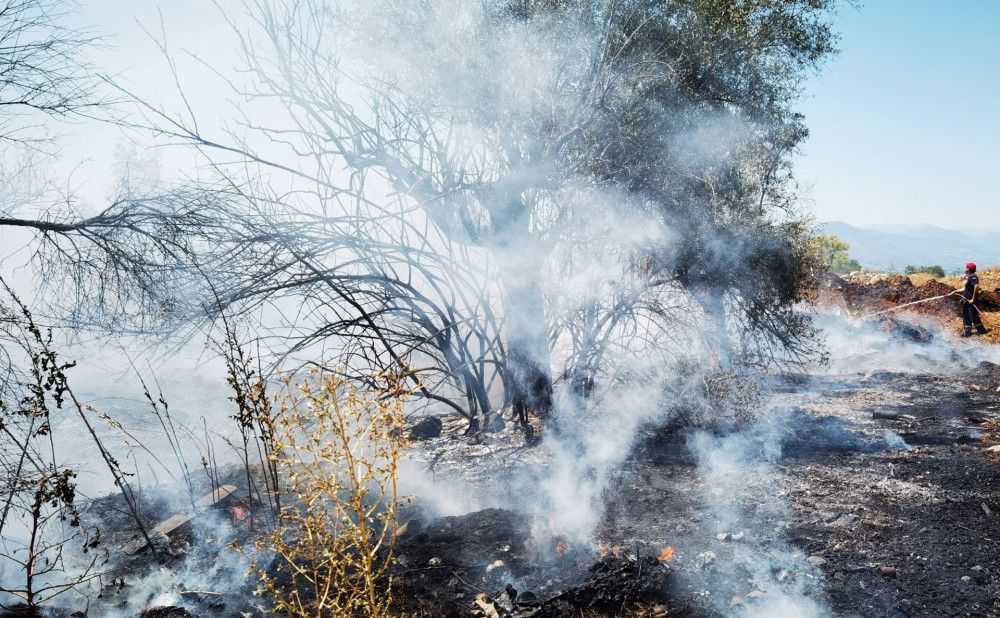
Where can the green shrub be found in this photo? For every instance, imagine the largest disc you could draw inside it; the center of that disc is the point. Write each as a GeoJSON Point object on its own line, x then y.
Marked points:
{"type": "Point", "coordinates": [934, 271]}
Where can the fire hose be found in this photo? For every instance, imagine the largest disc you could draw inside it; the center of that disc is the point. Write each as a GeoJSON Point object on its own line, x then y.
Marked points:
{"type": "Point", "coordinates": [918, 302]}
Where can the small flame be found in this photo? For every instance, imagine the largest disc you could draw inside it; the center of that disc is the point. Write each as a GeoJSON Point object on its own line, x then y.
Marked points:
{"type": "Point", "coordinates": [560, 548]}
{"type": "Point", "coordinates": [666, 554]}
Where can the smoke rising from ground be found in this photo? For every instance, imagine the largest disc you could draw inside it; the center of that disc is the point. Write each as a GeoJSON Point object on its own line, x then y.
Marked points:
{"type": "Point", "coordinates": [514, 175]}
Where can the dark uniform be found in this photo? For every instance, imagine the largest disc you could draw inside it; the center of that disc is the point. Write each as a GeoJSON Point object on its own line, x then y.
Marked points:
{"type": "Point", "coordinates": [970, 313]}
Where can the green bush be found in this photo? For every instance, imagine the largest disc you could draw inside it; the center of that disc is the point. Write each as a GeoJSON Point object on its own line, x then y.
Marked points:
{"type": "Point", "coordinates": [934, 271]}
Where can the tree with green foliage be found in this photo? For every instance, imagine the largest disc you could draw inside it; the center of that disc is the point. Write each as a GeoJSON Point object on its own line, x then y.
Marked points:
{"type": "Point", "coordinates": [832, 253]}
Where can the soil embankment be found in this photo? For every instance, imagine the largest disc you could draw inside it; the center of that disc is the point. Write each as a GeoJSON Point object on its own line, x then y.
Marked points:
{"type": "Point", "coordinates": [864, 294]}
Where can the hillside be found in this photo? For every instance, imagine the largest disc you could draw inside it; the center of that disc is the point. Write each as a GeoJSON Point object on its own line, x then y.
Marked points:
{"type": "Point", "coordinates": [884, 248]}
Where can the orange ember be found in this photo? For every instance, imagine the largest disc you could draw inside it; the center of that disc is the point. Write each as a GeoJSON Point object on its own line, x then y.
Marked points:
{"type": "Point", "coordinates": [666, 554]}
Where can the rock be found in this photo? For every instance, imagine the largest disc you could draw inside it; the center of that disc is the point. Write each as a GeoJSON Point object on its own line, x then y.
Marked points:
{"type": "Point", "coordinates": [844, 520]}
{"type": "Point", "coordinates": [660, 611]}
{"type": "Point", "coordinates": [527, 597]}
{"type": "Point", "coordinates": [435, 561]}
{"type": "Point", "coordinates": [428, 428]}
{"type": "Point", "coordinates": [887, 571]}
{"type": "Point", "coordinates": [408, 529]}
{"type": "Point", "coordinates": [888, 415]}
{"type": "Point", "coordinates": [966, 578]}
{"type": "Point", "coordinates": [816, 560]}
{"type": "Point", "coordinates": [986, 509]}
{"type": "Point", "coordinates": [725, 537]}
{"type": "Point", "coordinates": [738, 536]}
{"type": "Point", "coordinates": [978, 567]}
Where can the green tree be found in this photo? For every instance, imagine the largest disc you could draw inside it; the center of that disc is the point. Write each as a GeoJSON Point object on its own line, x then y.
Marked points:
{"type": "Point", "coordinates": [833, 255]}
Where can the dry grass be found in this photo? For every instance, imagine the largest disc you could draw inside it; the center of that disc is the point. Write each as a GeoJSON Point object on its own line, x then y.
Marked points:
{"type": "Point", "coordinates": [920, 279]}
{"type": "Point", "coordinates": [989, 279]}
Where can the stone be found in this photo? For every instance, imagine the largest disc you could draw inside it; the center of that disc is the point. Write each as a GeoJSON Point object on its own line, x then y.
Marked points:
{"type": "Point", "coordinates": [426, 429]}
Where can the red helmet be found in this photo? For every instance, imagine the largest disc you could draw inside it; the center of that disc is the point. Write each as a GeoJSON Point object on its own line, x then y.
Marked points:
{"type": "Point", "coordinates": [970, 266]}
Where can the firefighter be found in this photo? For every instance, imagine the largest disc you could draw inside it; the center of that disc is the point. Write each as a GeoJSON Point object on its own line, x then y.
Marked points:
{"type": "Point", "coordinates": [970, 312]}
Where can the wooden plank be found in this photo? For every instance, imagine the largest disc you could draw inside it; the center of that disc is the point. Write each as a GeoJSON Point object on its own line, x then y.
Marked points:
{"type": "Point", "coordinates": [174, 522]}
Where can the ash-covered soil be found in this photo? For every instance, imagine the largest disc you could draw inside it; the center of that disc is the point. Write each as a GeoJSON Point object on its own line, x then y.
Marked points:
{"type": "Point", "coordinates": [867, 493]}
{"type": "Point", "coordinates": [862, 491]}
{"type": "Point", "coordinates": [906, 532]}
{"type": "Point", "coordinates": [885, 482]}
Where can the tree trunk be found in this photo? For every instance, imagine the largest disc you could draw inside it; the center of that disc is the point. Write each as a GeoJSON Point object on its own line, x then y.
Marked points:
{"type": "Point", "coordinates": [519, 260]}
{"type": "Point", "coordinates": [528, 354]}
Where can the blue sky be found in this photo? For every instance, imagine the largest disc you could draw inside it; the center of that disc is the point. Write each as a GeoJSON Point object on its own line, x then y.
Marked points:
{"type": "Point", "coordinates": [904, 122]}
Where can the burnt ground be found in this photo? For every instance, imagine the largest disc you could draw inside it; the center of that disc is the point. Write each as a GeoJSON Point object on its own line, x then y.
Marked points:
{"type": "Point", "coordinates": [931, 514]}
{"type": "Point", "coordinates": [893, 530]}
{"type": "Point", "coordinates": [861, 493]}
{"type": "Point", "coordinates": [867, 494]}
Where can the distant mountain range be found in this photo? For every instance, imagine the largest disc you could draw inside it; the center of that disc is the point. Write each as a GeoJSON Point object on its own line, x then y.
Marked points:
{"type": "Point", "coordinates": [893, 247]}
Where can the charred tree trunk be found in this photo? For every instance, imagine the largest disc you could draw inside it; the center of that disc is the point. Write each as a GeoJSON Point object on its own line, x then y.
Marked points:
{"type": "Point", "coordinates": [527, 361]}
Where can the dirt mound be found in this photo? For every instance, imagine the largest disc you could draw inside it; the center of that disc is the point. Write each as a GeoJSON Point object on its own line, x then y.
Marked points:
{"type": "Point", "coordinates": [877, 292]}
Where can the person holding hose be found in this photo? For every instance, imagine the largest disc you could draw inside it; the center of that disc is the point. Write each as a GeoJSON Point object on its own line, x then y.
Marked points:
{"type": "Point", "coordinates": [970, 312]}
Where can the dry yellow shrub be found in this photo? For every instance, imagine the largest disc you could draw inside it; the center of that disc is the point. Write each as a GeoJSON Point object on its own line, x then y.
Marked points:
{"type": "Point", "coordinates": [337, 449]}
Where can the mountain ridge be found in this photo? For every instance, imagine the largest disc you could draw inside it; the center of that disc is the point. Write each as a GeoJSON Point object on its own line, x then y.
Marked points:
{"type": "Point", "coordinates": [893, 247]}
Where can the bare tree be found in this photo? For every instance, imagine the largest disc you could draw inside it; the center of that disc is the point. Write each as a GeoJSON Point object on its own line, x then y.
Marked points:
{"type": "Point", "coordinates": [486, 127]}
{"type": "Point", "coordinates": [406, 177]}
{"type": "Point", "coordinates": [41, 70]}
